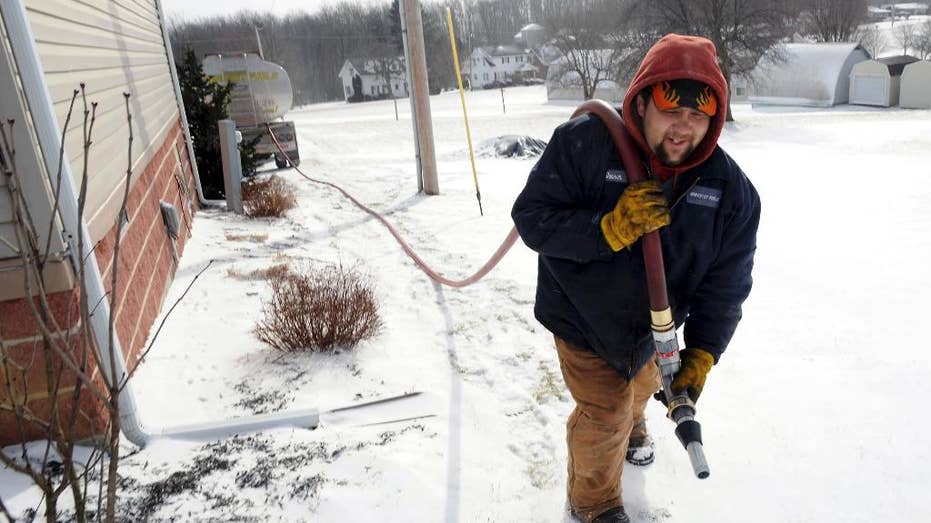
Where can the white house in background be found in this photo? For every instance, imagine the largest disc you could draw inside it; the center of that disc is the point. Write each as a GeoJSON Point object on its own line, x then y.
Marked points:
{"type": "Point", "coordinates": [501, 65]}
{"type": "Point", "coordinates": [877, 14]}
{"type": "Point", "coordinates": [876, 82]}
{"type": "Point", "coordinates": [739, 88]}
{"type": "Point", "coordinates": [906, 9]}
{"type": "Point", "coordinates": [914, 92]}
{"type": "Point", "coordinates": [812, 75]}
{"type": "Point", "coordinates": [365, 79]}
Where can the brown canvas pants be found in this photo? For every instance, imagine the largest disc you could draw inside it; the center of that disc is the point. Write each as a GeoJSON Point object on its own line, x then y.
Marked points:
{"type": "Point", "coordinates": [598, 430]}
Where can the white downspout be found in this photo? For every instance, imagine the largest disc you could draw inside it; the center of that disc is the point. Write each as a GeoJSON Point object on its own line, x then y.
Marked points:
{"type": "Point", "coordinates": [48, 133]}
{"type": "Point", "coordinates": [184, 126]}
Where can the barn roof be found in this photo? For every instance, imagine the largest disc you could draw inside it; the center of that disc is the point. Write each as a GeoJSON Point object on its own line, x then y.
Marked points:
{"type": "Point", "coordinates": [896, 64]}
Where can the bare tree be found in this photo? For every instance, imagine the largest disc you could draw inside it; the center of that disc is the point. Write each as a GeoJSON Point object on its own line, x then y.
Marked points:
{"type": "Point", "coordinates": [923, 40]}
{"type": "Point", "coordinates": [592, 40]}
{"type": "Point", "coordinates": [907, 36]}
{"type": "Point", "coordinates": [744, 31]}
{"type": "Point", "coordinates": [835, 20]}
{"type": "Point", "coordinates": [871, 39]}
{"type": "Point", "coordinates": [496, 21]}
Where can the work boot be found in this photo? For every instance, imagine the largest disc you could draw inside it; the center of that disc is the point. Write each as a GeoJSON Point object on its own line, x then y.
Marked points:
{"type": "Point", "coordinates": [613, 515]}
{"type": "Point", "coordinates": [640, 446]}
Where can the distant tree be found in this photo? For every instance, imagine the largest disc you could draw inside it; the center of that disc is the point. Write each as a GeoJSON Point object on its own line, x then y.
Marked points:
{"type": "Point", "coordinates": [906, 35]}
{"type": "Point", "coordinates": [357, 95]}
{"type": "Point", "coordinates": [592, 40]}
{"type": "Point", "coordinates": [923, 44]}
{"type": "Point", "coordinates": [384, 51]}
{"type": "Point", "coordinates": [441, 71]}
{"type": "Point", "coordinates": [871, 39]}
{"type": "Point", "coordinates": [496, 22]}
{"type": "Point", "coordinates": [744, 31]}
{"type": "Point", "coordinates": [835, 20]}
{"type": "Point", "coordinates": [205, 103]}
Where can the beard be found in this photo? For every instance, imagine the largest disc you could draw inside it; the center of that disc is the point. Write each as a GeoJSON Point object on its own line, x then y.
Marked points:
{"type": "Point", "coordinates": [667, 159]}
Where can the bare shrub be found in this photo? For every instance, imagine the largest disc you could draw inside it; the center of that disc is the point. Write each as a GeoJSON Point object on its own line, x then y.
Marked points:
{"type": "Point", "coordinates": [276, 271]}
{"type": "Point", "coordinates": [319, 310]}
{"type": "Point", "coordinates": [268, 197]}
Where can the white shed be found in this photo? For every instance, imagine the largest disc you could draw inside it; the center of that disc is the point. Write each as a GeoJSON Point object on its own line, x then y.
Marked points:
{"type": "Point", "coordinates": [876, 82]}
{"type": "Point", "coordinates": [915, 90]}
{"type": "Point", "coordinates": [813, 75]}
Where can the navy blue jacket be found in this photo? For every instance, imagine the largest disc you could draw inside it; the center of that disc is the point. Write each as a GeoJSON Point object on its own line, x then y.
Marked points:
{"type": "Point", "coordinates": [597, 299]}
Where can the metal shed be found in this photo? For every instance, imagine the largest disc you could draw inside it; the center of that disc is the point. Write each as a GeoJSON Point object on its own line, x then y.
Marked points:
{"type": "Point", "coordinates": [876, 82]}
{"type": "Point", "coordinates": [916, 86]}
{"type": "Point", "coordinates": [812, 75]}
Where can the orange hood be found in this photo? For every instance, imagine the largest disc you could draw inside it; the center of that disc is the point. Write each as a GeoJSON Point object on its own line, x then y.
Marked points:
{"type": "Point", "coordinates": [676, 57]}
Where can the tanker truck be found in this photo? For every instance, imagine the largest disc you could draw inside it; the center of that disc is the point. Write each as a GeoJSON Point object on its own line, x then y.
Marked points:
{"type": "Point", "coordinates": [261, 95]}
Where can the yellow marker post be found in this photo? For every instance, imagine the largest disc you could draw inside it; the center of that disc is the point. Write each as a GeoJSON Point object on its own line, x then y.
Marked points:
{"type": "Point", "coordinates": [465, 114]}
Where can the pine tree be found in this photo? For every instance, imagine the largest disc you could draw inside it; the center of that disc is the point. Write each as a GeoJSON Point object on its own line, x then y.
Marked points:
{"type": "Point", "coordinates": [206, 104]}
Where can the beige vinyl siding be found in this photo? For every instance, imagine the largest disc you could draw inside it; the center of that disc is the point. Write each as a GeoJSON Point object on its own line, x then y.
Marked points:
{"type": "Point", "coordinates": [35, 189]}
{"type": "Point", "coordinates": [112, 47]}
{"type": "Point", "coordinates": [6, 221]}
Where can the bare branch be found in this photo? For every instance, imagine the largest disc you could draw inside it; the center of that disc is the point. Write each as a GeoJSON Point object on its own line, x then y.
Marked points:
{"type": "Point", "coordinates": [114, 271]}
{"type": "Point", "coordinates": [61, 160]}
{"type": "Point", "coordinates": [161, 324]}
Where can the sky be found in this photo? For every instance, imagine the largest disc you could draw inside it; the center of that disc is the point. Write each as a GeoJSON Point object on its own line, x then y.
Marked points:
{"type": "Point", "coordinates": [812, 415]}
{"type": "Point", "coordinates": [187, 9]}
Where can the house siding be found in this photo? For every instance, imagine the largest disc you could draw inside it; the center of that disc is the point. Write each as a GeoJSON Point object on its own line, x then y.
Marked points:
{"type": "Point", "coordinates": [111, 47]}
{"type": "Point", "coordinates": [6, 222]}
{"type": "Point", "coordinates": [33, 186]}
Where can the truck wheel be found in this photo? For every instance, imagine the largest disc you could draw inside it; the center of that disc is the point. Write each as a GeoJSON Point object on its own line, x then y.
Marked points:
{"type": "Point", "coordinates": [280, 161]}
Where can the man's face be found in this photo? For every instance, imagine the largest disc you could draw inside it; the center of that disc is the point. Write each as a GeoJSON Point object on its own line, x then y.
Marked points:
{"type": "Point", "coordinates": [672, 134]}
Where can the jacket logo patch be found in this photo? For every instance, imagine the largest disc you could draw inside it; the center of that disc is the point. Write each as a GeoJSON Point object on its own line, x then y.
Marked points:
{"type": "Point", "coordinates": [616, 175]}
{"type": "Point", "coordinates": [704, 196]}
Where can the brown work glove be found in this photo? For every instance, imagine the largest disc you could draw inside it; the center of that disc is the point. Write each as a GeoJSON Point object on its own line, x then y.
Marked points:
{"type": "Point", "coordinates": [696, 363]}
{"type": "Point", "coordinates": [641, 209]}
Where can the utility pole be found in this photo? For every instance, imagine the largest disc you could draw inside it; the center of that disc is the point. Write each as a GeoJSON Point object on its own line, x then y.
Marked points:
{"type": "Point", "coordinates": [258, 40]}
{"type": "Point", "coordinates": [421, 92]}
{"type": "Point", "coordinates": [408, 89]}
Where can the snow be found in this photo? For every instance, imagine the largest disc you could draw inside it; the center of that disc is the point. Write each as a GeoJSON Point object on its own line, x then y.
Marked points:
{"type": "Point", "coordinates": [813, 414]}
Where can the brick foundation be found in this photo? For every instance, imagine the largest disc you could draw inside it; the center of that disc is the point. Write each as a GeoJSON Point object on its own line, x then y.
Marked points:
{"type": "Point", "coordinates": [145, 270]}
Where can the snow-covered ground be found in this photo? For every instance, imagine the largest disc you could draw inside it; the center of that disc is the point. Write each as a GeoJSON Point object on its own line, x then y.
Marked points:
{"type": "Point", "coordinates": [815, 413]}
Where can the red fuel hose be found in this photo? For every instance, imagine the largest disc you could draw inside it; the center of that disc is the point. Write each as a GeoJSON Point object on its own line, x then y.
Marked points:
{"type": "Point", "coordinates": [434, 275]}
{"type": "Point", "coordinates": [630, 158]}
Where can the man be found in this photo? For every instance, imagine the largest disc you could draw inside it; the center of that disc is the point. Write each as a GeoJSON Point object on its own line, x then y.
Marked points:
{"type": "Point", "coordinates": [584, 219]}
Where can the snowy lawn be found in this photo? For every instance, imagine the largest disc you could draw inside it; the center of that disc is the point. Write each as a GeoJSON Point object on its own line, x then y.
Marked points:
{"type": "Point", "coordinates": [813, 415]}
